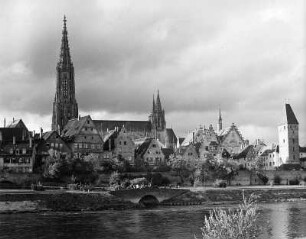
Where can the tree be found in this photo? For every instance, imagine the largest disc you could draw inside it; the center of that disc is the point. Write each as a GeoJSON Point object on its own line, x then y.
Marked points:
{"type": "Point", "coordinates": [114, 179]}
{"type": "Point", "coordinates": [237, 223]}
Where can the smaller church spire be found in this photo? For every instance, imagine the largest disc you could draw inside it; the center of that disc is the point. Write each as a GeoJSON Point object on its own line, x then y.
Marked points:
{"type": "Point", "coordinates": [158, 103]}
{"type": "Point", "coordinates": [220, 121]}
{"type": "Point", "coordinates": [153, 107]}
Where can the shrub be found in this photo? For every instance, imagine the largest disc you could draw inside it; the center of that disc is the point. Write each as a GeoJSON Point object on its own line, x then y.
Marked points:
{"type": "Point", "coordinates": [237, 223]}
{"type": "Point", "coordinates": [114, 179]}
{"type": "Point", "coordinates": [263, 178]}
{"type": "Point", "coordinates": [220, 183]}
{"type": "Point", "coordinates": [277, 179]}
{"type": "Point", "coordinates": [294, 181]}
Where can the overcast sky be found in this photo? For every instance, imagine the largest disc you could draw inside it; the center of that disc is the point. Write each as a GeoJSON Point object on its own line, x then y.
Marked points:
{"type": "Point", "coordinates": [247, 57]}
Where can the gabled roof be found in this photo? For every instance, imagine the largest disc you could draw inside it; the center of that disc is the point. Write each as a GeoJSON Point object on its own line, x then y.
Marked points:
{"type": "Point", "coordinates": [267, 152]}
{"type": "Point", "coordinates": [244, 152]}
{"type": "Point", "coordinates": [224, 133]}
{"type": "Point", "coordinates": [141, 150]}
{"type": "Point", "coordinates": [15, 123]}
{"type": "Point", "coordinates": [130, 125]}
{"type": "Point", "coordinates": [48, 134]}
{"type": "Point", "coordinates": [74, 126]}
{"type": "Point", "coordinates": [290, 116]}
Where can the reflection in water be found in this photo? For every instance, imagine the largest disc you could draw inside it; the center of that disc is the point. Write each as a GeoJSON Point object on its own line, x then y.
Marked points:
{"type": "Point", "coordinates": [278, 220]}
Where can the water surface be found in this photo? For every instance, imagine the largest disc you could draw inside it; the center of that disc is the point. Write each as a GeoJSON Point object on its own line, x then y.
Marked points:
{"type": "Point", "coordinates": [278, 220]}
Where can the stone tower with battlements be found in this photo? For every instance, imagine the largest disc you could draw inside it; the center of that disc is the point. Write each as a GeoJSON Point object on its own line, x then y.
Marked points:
{"type": "Point", "coordinates": [65, 106]}
{"type": "Point", "coordinates": [288, 136]}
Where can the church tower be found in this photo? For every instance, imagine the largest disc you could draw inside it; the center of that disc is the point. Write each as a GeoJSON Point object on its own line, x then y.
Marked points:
{"type": "Point", "coordinates": [65, 106]}
{"type": "Point", "coordinates": [288, 135]}
{"type": "Point", "coordinates": [219, 128]}
{"type": "Point", "coordinates": [157, 116]}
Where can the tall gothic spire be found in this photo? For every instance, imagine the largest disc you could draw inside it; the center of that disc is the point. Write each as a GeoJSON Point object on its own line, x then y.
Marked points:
{"type": "Point", "coordinates": [158, 103]}
{"type": "Point", "coordinates": [65, 106]}
{"type": "Point", "coordinates": [65, 59]}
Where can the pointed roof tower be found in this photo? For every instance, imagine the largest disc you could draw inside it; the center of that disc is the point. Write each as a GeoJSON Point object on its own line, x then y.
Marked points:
{"type": "Point", "coordinates": [153, 107]}
{"type": "Point", "coordinates": [65, 59]}
{"type": "Point", "coordinates": [220, 117]}
{"type": "Point", "coordinates": [290, 116]}
{"type": "Point", "coordinates": [158, 103]}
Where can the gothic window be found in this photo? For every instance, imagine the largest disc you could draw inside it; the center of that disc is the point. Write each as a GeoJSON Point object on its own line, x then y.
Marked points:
{"type": "Point", "coordinates": [65, 87]}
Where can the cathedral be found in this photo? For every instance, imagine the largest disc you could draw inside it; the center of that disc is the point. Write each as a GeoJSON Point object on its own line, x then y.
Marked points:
{"type": "Point", "coordinates": [65, 107]}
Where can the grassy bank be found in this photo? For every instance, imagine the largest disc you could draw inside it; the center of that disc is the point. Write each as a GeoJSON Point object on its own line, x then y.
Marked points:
{"type": "Point", "coordinates": [32, 201]}
{"type": "Point", "coordinates": [60, 201]}
{"type": "Point", "coordinates": [231, 196]}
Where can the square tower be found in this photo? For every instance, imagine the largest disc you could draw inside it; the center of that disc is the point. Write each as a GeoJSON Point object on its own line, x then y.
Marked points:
{"type": "Point", "coordinates": [288, 136]}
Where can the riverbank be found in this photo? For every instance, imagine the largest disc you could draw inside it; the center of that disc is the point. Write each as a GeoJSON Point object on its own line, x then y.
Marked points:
{"type": "Point", "coordinates": [32, 201]}
{"type": "Point", "coordinates": [16, 201]}
{"type": "Point", "coordinates": [234, 195]}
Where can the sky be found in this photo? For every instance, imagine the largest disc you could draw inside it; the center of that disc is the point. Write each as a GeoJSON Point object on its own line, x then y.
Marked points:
{"type": "Point", "coordinates": [246, 57]}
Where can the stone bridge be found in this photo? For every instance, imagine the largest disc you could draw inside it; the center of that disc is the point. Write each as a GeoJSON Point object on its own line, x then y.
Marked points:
{"type": "Point", "coordinates": [146, 194]}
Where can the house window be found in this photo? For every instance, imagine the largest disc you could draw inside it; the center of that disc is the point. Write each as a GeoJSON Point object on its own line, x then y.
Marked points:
{"type": "Point", "coordinates": [292, 140]}
{"type": "Point", "coordinates": [124, 142]}
{"type": "Point", "coordinates": [52, 144]}
{"type": "Point", "coordinates": [75, 146]}
{"type": "Point", "coordinates": [120, 142]}
{"type": "Point", "coordinates": [283, 140]}
{"type": "Point", "coordinates": [80, 146]}
{"type": "Point", "coordinates": [92, 146]}
{"type": "Point", "coordinates": [24, 151]}
{"type": "Point", "coordinates": [154, 145]}
{"type": "Point", "coordinates": [293, 149]}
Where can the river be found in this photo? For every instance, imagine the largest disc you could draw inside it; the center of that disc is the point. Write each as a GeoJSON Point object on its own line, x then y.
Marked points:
{"type": "Point", "coordinates": [278, 220]}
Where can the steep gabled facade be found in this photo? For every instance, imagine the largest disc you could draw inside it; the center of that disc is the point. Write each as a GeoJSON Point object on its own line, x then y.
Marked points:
{"type": "Point", "coordinates": [232, 140]}
{"type": "Point", "coordinates": [65, 106]}
{"type": "Point", "coordinates": [150, 153]}
{"type": "Point", "coordinates": [82, 137]}
{"type": "Point", "coordinates": [125, 147]}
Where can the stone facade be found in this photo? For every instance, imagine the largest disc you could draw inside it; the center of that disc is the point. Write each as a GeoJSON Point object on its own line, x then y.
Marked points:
{"type": "Point", "coordinates": [65, 106]}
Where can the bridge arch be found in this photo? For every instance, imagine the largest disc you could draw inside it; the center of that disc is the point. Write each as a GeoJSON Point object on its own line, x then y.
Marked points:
{"type": "Point", "coordinates": [148, 200]}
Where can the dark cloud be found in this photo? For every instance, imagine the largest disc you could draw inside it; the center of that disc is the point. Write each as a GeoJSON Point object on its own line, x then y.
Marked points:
{"type": "Point", "coordinates": [246, 57]}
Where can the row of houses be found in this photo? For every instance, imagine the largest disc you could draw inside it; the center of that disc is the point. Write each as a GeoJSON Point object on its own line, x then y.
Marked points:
{"type": "Point", "coordinates": [22, 150]}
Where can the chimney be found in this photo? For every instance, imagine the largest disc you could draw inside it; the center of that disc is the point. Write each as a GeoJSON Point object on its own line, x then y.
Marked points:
{"type": "Point", "coordinates": [109, 144]}
{"type": "Point", "coordinates": [1, 136]}
{"type": "Point", "coordinates": [4, 123]}
{"type": "Point", "coordinates": [14, 140]}
{"type": "Point", "coordinates": [41, 132]}
{"type": "Point", "coordinates": [13, 119]}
